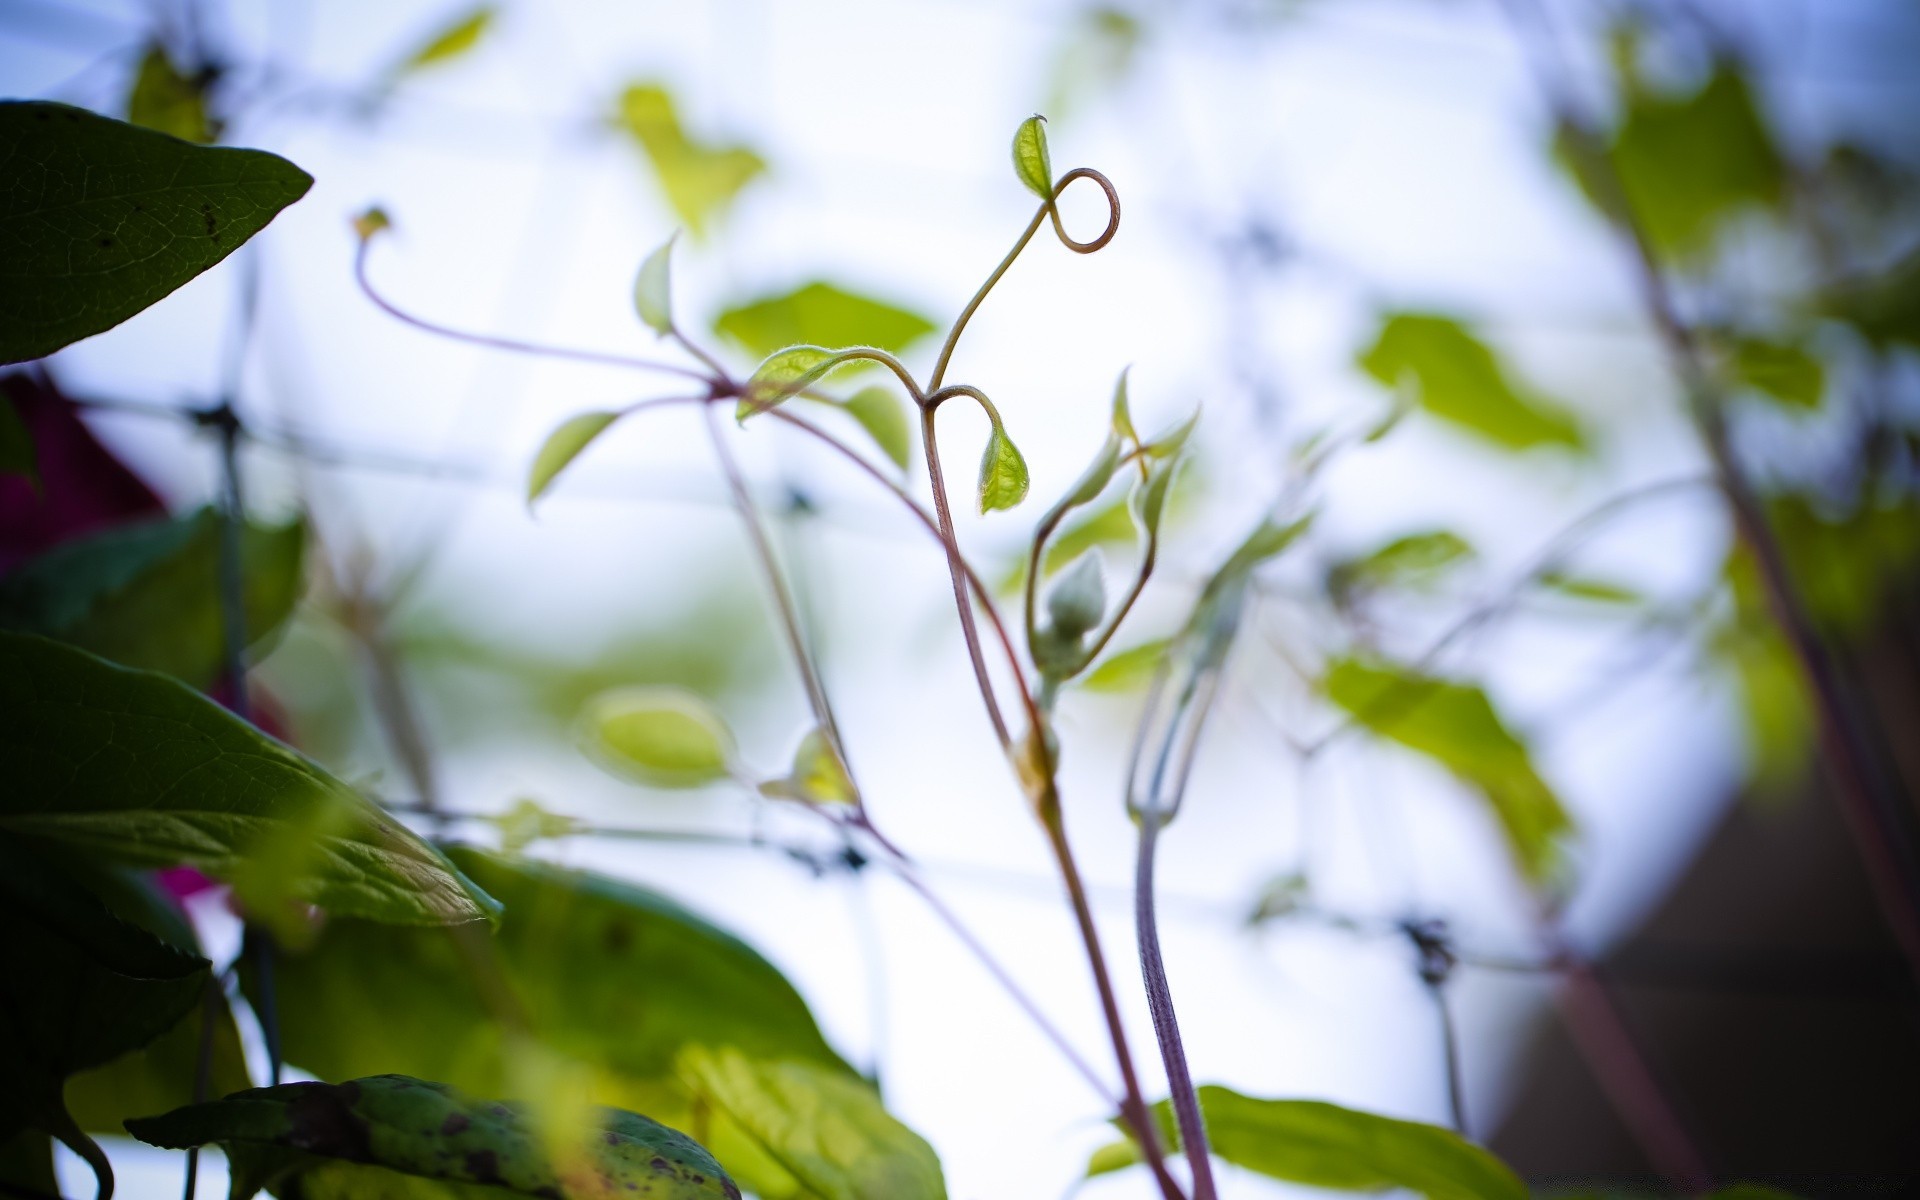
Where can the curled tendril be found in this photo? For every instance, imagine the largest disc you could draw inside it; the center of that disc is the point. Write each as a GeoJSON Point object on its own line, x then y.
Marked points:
{"type": "Point", "coordinates": [1113, 210]}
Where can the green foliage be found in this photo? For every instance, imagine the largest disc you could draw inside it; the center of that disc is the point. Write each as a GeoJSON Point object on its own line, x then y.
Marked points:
{"type": "Point", "coordinates": [169, 102]}
{"type": "Point", "coordinates": [26, 1163]}
{"type": "Point", "coordinates": [817, 775]}
{"type": "Point", "coordinates": [100, 219]}
{"type": "Point", "coordinates": [454, 40]}
{"type": "Point", "coordinates": [1456, 725]}
{"type": "Point", "coordinates": [562, 446]}
{"type": "Point", "coordinates": [1415, 561]}
{"type": "Point", "coordinates": [139, 769]}
{"type": "Point", "coordinates": [1456, 377]}
{"type": "Point", "coordinates": [1592, 591]}
{"type": "Point", "coordinates": [884, 416]}
{"type": "Point", "coordinates": [1127, 670]}
{"type": "Point", "coordinates": [147, 595]}
{"type": "Point", "coordinates": [17, 455]}
{"type": "Point", "coordinates": [700, 181]}
{"type": "Point", "coordinates": [323, 1141]}
{"type": "Point", "coordinates": [1324, 1145]}
{"type": "Point", "coordinates": [1003, 472]}
{"type": "Point", "coordinates": [1789, 373]}
{"type": "Point", "coordinates": [820, 314]}
{"type": "Point", "coordinates": [826, 1129]}
{"type": "Point", "coordinates": [664, 737]}
{"type": "Point", "coordinates": [653, 288]}
{"type": "Point", "coordinates": [1884, 308]}
{"type": "Point", "coordinates": [1030, 159]}
{"type": "Point", "coordinates": [786, 372]}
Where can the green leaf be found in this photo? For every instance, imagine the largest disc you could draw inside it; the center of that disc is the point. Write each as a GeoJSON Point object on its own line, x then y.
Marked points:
{"type": "Point", "coordinates": [324, 1141]}
{"type": "Point", "coordinates": [17, 455]}
{"type": "Point", "coordinates": [820, 314]}
{"type": "Point", "coordinates": [1592, 591]}
{"type": "Point", "coordinates": [100, 219]}
{"type": "Point", "coordinates": [1281, 897]}
{"type": "Point", "coordinates": [700, 181]}
{"type": "Point", "coordinates": [666, 737]}
{"type": "Point", "coordinates": [1456, 725]}
{"type": "Point", "coordinates": [562, 446]}
{"type": "Point", "coordinates": [884, 416]}
{"type": "Point", "coordinates": [817, 775]}
{"type": "Point", "coordinates": [526, 822]}
{"type": "Point", "coordinates": [1416, 560]}
{"type": "Point", "coordinates": [1325, 1145]}
{"type": "Point", "coordinates": [1030, 161]}
{"type": "Point", "coordinates": [1127, 670]}
{"type": "Point", "coordinates": [1095, 478]}
{"type": "Point", "coordinates": [653, 289]}
{"type": "Point", "coordinates": [1003, 473]}
{"type": "Point", "coordinates": [168, 102]}
{"type": "Point", "coordinates": [1170, 442]}
{"type": "Point", "coordinates": [26, 1162]}
{"type": "Point", "coordinates": [827, 1129]}
{"type": "Point", "coordinates": [1122, 413]}
{"type": "Point", "coordinates": [786, 373]}
{"type": "Point", "coordinates": [457, 38]}
{"type": "Point", "coordinates": [147, 595]}
{"type": "Point", "coordinates": [1884, 308]}
{"type": "Point", "coordinates": [1788, 373]}
{"type": "Point", "coordinates": [1456, 377]}
{"type": "Point", "coordinates": [142, 770]}
{"type": "Point", "coordinates": [1079, 598]}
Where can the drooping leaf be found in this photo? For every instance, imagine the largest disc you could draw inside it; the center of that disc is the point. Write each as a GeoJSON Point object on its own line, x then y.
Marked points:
{"type": "Point", "coordinates": [1127, 670]}
{"type": "Point", "coordinates": [100, 219]}
{"type": "Point", "coordinates": [1456, 725]}
{"type": "Point", "coordinates": [1455, 376]}
{"type": "Point", "coordinates": [562, 446]}
{"type": "Point", "coordinates": [17, 455]}
{"type": "Point", "coordinates": [817, 775]}
{"type": "Point", "coordinates": [1789, 373]}
{"type": "Point", "coordinates": [827, 1129]}
{"type": "Point", "coordinates": [148, 594]}
{"type": "Point", "coordinates": [351, 1139]}
{"type": "Point", "coordinates": [1030, 160]}
{"type": "Point", "coordinates": [883, 415]}
{"type": "Point", "coordinates": [665, 737]}
{"type": "Point", "coordinates": [785, 372]}
{"type": "Point", "coordinates": [820, 314]}
{"type": "Point", "coordinates": [165, 100]}
{"type": "Point", "coordinates": [458, 37]}
{"type": "Point", "coordinates": [653, 289]}
{"type": "Point", "coordinates": [140, 769]}
{"type": "Point", "coordinates": [1325, 1145]}
{"type": "Point", "coordinates": [1097, 52]}
{"type": "Point", "coordinates": [1415, 560]}
{"type": "Point", "coordinates": [1003, 473]}
{"type": "Point", "coordinates": [700, 181]}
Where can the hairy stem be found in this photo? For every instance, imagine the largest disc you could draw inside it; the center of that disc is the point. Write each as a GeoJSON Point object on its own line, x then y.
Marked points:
{"type": "Point", "coordinates": [1166, 1025]}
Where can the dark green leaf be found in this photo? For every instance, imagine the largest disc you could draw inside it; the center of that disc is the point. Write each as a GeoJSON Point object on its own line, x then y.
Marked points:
{"type": "Point", "coordinates": [700, 181]}
{"type": "Point", "coordinates": [653, 289]}
{"type": "Point", "coordinates": [1003, 473]}
{"type": "Point", "coordinates": [1030, 160]}
{"type": "Point", "coordinates": [562, 446]}
{"type": "Point", "coordinates": [1788, 373]}
{"type": "Point", "coordinates": [458, 37]}
{"type": "Point", "coordinates": [147, 595]}
{"type": "Point", "coordinates": [883, 415]}
{"type": "Point", "coordinates": [166, 101]}
{"type": "Point", "coordinates": [1324, 1145]}
{"type": "Point", "coordinates": [1455, 724]}
{"type": "Point", "coordinates": [1455, 376]}
{"type": "Point", "coordinates": [826, 1129]}
{"type": "Point", "coordinates": [26, 1161]}
{"type": "Point", "coordinates": [100, 219]}
{"type": "Point", "coordinates": [820, 314]}
{"type": "Point", "coordinates": [17, 456]}
{"type": "Point", "coordinates": [141, 769]}
{"type": "Point", "coordinates": [350, 1139]}
{"type": "Point", "coordinates": [1884, 308]}
{"type": "Point", "coordinates": [665, 737]}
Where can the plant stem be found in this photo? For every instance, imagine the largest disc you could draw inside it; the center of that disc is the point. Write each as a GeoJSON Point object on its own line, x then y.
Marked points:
{"type": "Point", "coordinates": [1166, 1025]}
{"type": "Point", "coordinates": [956, 570]}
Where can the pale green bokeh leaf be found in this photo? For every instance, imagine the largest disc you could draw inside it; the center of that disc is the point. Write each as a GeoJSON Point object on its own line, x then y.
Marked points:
{"type": "Point", "coordinates": [137, 768]}
{"type": "Point", "coordinates": [1456, 725]}
{"type": "Point", "coordinates": [653, 289]}
{"type": "Point", "coordinates": [166, 101]}
{"type": "Point", "coordinates": [1030, 159]}
{"type": "Point", "coordinates": [817, 775]}
{"type": "Point", "coordinates": [100, 219]}
{"type": "Point", "coordinates": [1003, 473]}
{"type": "Point", "coordinates": [820, 314]}
{"type": "Point", "coordinates": [1415, 560]}
{"type": "Point", "coordinates": [1790, 374]}
{"type": "Point", "coordinates": [1127, 670]}
{"type": "Point", "coordinates": [664, 737]}
{"type": "Point", "coordinates": [700, 180]}
{"type": "Point", "coordinates": [1587, 589]}
{"type": "Point", "coordinates": [147, 594]}
{"type": "Point", "coordinates": [1456, 376]}
{"type": "Point", "coordinates": [455, 39]}
{"type": "Point", "coordinates": [884, 416]}
{"type": "Point", "coordinates": [562, 446]}
{"type": "Point", "coordinates": [1169, 442]}
{"type": "Point", "coordinates": [1279, 898]}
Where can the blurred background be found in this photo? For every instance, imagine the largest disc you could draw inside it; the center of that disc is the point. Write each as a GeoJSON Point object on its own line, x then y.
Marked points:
{"type": "Point", "coordinates": [1366, 240]}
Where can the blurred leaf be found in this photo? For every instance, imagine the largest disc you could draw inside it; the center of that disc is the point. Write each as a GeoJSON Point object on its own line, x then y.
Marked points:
{"type": "Point", "coordinates": [1324, 1145]}
{"type": "Point", "coordinates": [1845, 563]}
{"type": "Point", "coordinates": [1003, 473]}
{"type": "Point", "coordinates": [1123, 411]}
{"type": "Point", "coordinates": [26, 1162]}
{"type": "Point", "coordinates": [1884, 308]}
{"type": "Point", "coordinates": [660, 736]}
{"type": "Point", "coordinates": [1282, 896]}
{"type": "Point", "coordinates": [100, 219]}
{"type": "Point", "coordinates": [1030, 160]}
{"type": "Point", "coordinates": [884, 416]}
{"type": "Point", "coordinates": [700, 181]}
{"type": "Point", "coordinates": [1595, 591]}
{"type": "Point", "coordinates": [147, 594]}
{"type": "Point", "coordinates": [137, 768]}
{"type": "Point", "coordinates": [1078, 599]}
{"type": "Point", "coordinates": [456, 38]}
{"type": "Point", "coordinates": [1127, 670]}
{"type": "Point", "coordinates": [168, 102]}
{"type": "Point", "coordinates": [817, 775]}
{"type": "Point", "coordinates": [1788, 373]}
{"type": "Point", "coordinates": [371, 221]}
{"type": "Point", "coordinates": [820, 314]}
{"type": "Point", "coordinates": [1686, 163]}
{"type": "Point", "coordinates": [1455, 725]}
{"type": "Point", "coordinates": [1097, 53]}
{"type": "Point", "coordinates": [562, 446]}
{"type": "Point", "coordinates": [1171, 441]}
{"type": "Point", "coordinates": [526, 822]}
{"type": "Point", "coordinates": [827, 1129]}
{"type": "Point", "coordinates": [1416, 560]}
{"type": "Point", "coordinates": [1110, 526]}
{"type": "Point", "coordinates": [17, 456]}
{"type": "Point", "coordinates": [1456, 376]}
{"type": "Point", "coordinates": [325, 1141]}
{"type": "Point", "coordinates": [653, 289]}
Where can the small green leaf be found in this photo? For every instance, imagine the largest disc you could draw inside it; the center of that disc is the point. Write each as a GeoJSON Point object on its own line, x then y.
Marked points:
{"type": "Point", "coordinates": [653, 289]}
{"type": "Point", "coordinates": [167, 101]}
{"type": "Point", "coordinates": [1127, 670]}
{"type": "Point", "coordinates": [526, 822]}
{"type": "Point", "coordinates": [700, 181]}
{"type": "Point", "coordinates": [1788, 373]}
{"type": "Point", "coordinates": [1095, 478]}
{"type": "Point", "coordinates": [326, 1141]}
{"type": "Point", "coordinates": [820, 314]}
{"type": "Point", "coordinates": [1415, 560]}
{"type": "Point", "coordinates": [1171, 441]}
{"type": "Point", "coordinates": [828, 1130]}
{"type": "Point", "coordinates": [455, 39]}
{"type": "Point", "coordinates": [100, 219]}
{"type": "Point", "coordinates": [1593, 591]}
{"type": "Point", "coordinates": [1079, 598]}
{"type": "Point", "coordinates": [1150, 499]}
{"type": "Point", "coordinates": [1282, 896]}
{"type": "Point", "coordinates": [17, 455]}
{"type": "Point", "coordinates": [562, 446]}
{"type": "Point", "coordinates": [1030, 160]}
{"type": "Point", "coordinates": [371, 221]}
{"type": "Point", "coordinates": [884, 416]}
{"type": "Point", "coordinates": [1122, 414]}
{"type": "Point", "coordinates": [1455, 376]}
{"type": "Point", "coordinates": [1003, 473]}
{"type": "Point", "coordinates": [1328, 1146]}
{"type": "Point", "coordinates": [665, 737]}
{"type": "Point", "coordinates": [787, 372]}
{"type": "Point", "coordinates": [817, 775]}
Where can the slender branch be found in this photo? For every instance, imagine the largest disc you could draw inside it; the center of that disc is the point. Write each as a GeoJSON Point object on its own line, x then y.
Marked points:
{"type": "Point", "coordinates": [1166, 1025]}
{"type": "Point", "coordinates": [956, 569]}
